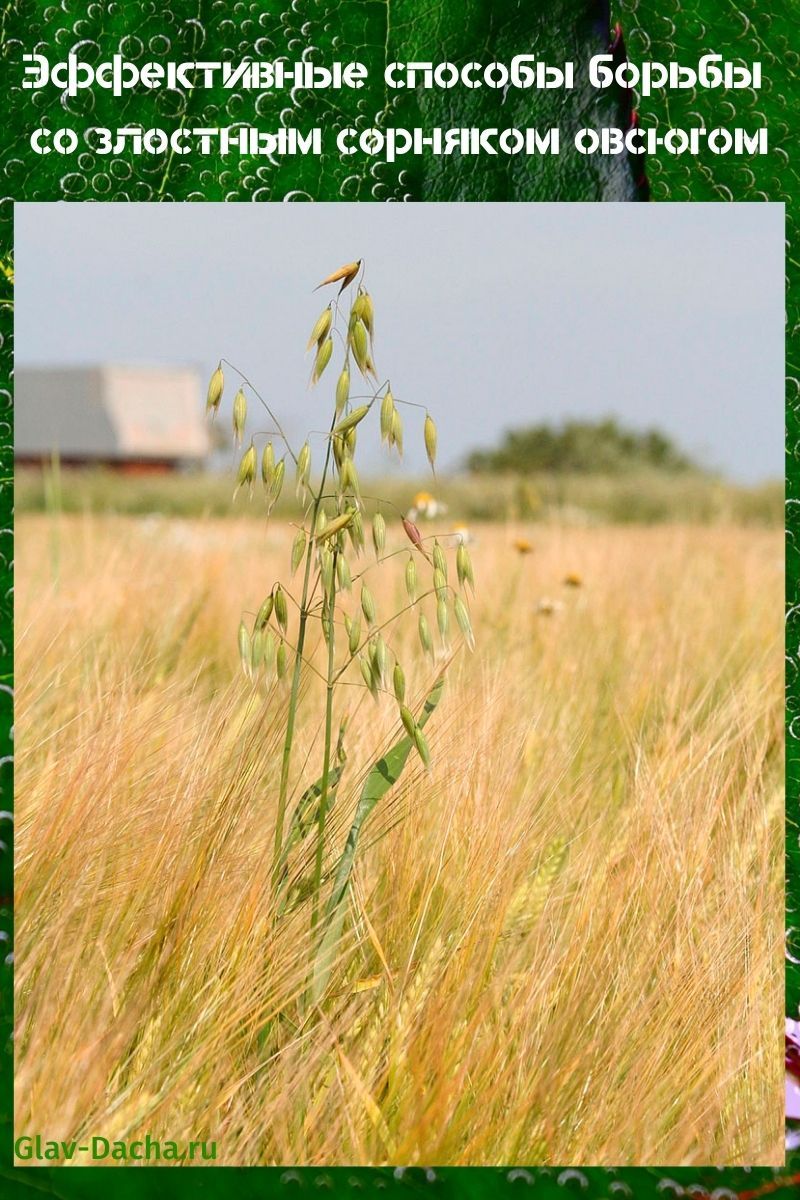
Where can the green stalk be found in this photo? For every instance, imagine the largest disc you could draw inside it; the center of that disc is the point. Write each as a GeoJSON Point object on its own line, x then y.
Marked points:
{"type": "Point", "coordinates": [283, 789]}
{"type": "Point", "coordinates": [326, 762]}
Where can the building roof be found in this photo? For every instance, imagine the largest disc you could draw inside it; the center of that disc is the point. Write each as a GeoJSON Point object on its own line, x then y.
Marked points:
{"type": "Point", "coordinates": [109, 412]}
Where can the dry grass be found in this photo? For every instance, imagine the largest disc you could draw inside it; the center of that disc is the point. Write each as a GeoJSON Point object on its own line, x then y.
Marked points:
{"type": "Point", "coordinates": [619, 1006]}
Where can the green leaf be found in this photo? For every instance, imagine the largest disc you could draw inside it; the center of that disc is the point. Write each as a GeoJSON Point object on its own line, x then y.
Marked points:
{"type": "Point", "coordinates": [384, 774]}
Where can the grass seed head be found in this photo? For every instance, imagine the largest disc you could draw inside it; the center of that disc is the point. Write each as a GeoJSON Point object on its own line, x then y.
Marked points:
{"type": "Point", "coordinates": [281, 660]}
{"type": "Point", "coordinates": [422, 746]}
{"type": "Point", "coordinates": [339, 450]}
{"type": "Point", "coordinates": [367, 604]}
{"type": "Point", "coordinates": [298, 549]}
{"type": "Point", "coordinates": [396, 431]}
{"type": "Point", "coordinates": [347, 274]}
{"type": "Point", "coordinates": [359, 342]}
{"type": "Point", "coordinates": [430, 440]}
{"type": "Point", "coordinates": [321, 328]}
{"type": "Point", "coordinates": [366, 674]}
{"type": "Point", "coordinates": [256, 649]}
{"type": "Point", "coordinates": [323, 358]}
{"type": "Point", "coordinates": [399, 683]}
{"type": "Point", "coordinates": [378, 650]}
{"type": "Point", "coordinates": [239, 416]}
{"type": "Point", "coordinates": [343, 576]}
{"type": "Point", "coordinates": [439, 560]}
{"type": "Point", "coordinates": [216, 385]}
{"type": "Point", "coordinates": [264, 613]}
{"type": "Point", "coordinates": [268, 464]}
{"type": "Point", "coordinates": [378, 533]}
{"type": "Point", "coordinates": [367, 313]}
{"type": "Point", "coordinates": [387, 410]}
{"type": "Point", "coordinates": [303, 468]}
{"type": "Point", "coordinates": [464, 569]}
{"type": "Point", "coordinates": [426, 641]}
{"type": "Point", "coordinates": [269, 650]}
{"type": "Point", "coordinates": [408, 720]}
{"type": "Point", "coordinates": [358, 305]}
{"type": "Point", "coordinates": [247, 468]}
{"type": "Point", "coordinates": [355, 531]}
{"type": "Point", "coordinates": [442, 618]}
{"type": "Point", "coordinates": [326, 568]}
{"type": "Point", "coordinates": [353, 628]}
{"type": "Point", "coordinates": [411, 580]}
{"type": "Point", "coordinates": [331, 528]}
{"type": "Point", "coordinates": [351, 420]}
{"type": "Point", "coordinates": [348, 476]}
{"type": "Point", "coordinates": [440, 584]}
{"type": "Point", "coordinates": [281, 608]}
{"type": "Point", "coordinates": [277, 480]}
{"type": "Point", "coordinates": [464, 623]}
{"type": "Point", "coordinates": [342, 390]}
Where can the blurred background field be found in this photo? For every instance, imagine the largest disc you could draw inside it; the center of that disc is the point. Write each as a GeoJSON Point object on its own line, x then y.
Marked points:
{"type": "Point", "coordinates": [639, 497]}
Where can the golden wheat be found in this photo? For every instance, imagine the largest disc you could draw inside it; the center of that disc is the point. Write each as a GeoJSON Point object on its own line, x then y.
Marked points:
{"type": "Point", "coordinates": [565, 939]}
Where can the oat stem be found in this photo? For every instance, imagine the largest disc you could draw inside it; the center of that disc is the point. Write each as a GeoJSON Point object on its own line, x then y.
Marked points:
{"type": "Point", "coordinates": [326, 762]}
{"type": "Point", "coordinates": [295, 690]}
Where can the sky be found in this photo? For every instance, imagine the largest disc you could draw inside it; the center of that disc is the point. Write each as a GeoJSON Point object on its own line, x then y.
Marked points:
{"type": "Point", "coordinates": [493, 316]}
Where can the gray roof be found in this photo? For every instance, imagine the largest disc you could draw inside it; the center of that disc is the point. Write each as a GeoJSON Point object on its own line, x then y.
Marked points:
{"type": "Point", "coordinates": [109, 412]}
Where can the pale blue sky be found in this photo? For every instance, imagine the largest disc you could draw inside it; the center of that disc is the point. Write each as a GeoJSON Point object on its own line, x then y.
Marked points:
{"type": "Point", "coordinates": [494, 316]}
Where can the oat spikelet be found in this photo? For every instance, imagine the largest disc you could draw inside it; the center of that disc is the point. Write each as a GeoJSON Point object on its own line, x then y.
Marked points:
{"type": "Point", "coordinates": [298, 549]}
{"type": "Point", "coordinates": [303, 469]}
{"type": "Point", "coordinates": [368, 604]}
{"type": "Point", "coordinates": [351, 420]}
{"type": "Point", "coordinates": [239, 416]}
{"type": "Point", "coordinates": [264, 613]}
{"type": "Point", "coordinates": [268, 464]}
{"type": "Point", "coordinates": [247, 468]}
{"type": "Point", "coordinates": [413, 534]}
{"type": "Point", "coordinates": [430, 440]}
{"type": "Point", "coordinates": [387, 411]}
{"type": "Point", "coordinates": [342, 390]}
{"type": "Point", "coordinates": [353, 628]}
{"type": "Point", "coordinates": [321, 328]}
{"type": "Point", "coordinates": [347, 274]}
{"type": "Point", "coordinates": [281, 608]}
{"type": "Point", "coordinates": [411, 580]}
{"type": "Point", "coordinates": [399, 683]}
{"type": "Point", "coordinates": [426, 641]}
{"type": "Point", "coordinates": [378, 533]}
{"type": "Point", "coordinates": [324, 353]}
{"type": "Point", "coordinates": [464, 623]}
{"type": "Point", "coordinates": [215, 388]}
{"type": "Point", "coordinates": [464, 567]}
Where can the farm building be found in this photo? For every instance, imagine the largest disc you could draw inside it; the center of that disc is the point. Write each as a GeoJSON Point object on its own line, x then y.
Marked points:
{"type": "Point", "coordinates": [130, 418]}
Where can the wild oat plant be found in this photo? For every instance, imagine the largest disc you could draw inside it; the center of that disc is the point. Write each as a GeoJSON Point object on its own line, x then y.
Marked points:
{"type": "Point", "coordinates": [334, 596]}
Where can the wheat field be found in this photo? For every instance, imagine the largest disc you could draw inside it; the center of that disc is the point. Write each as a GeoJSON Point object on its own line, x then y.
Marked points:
{"type": "Point", "coordinates": [565, 940]}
